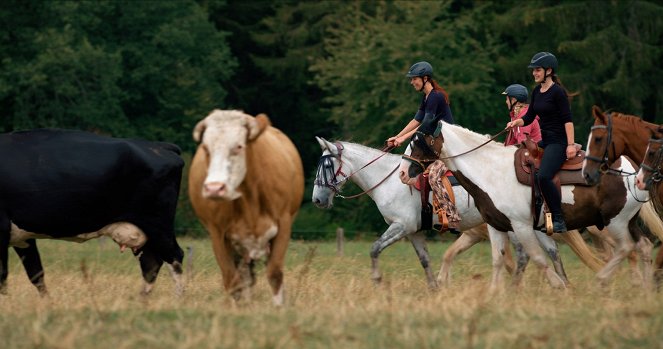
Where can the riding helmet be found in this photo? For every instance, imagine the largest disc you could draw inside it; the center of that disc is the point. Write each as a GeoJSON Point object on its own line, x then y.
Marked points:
{"type": "Point", "coordinates": [519, 92]}
{"type": "Point", "coordinates": [544, 60]}
{"type": "Point", "coordinates": [420, 69]}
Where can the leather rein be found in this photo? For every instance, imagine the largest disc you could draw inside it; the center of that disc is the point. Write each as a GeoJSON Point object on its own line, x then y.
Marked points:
{"type": "Point", "coordinates": [422, 163]}
{"type": "Point", "coordinates": [334, 183]}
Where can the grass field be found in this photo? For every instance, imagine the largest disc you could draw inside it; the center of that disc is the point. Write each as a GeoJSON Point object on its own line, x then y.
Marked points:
{"type": "Point", "coordinates": [331, 303]}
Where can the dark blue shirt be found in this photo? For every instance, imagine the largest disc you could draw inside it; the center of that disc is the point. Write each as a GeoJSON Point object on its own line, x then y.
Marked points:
{"type": "Point", "coordinates": [431, 110]}
{"type": "Point", "coordinates": [553, 110]}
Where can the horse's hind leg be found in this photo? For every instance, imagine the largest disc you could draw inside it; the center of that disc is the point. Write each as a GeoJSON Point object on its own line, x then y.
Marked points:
{"type": "Point", "coordinates": [395, 232]}
{"type": "Point", "coordinates": [521, 257]}
{"type": "Point", "coordinates": [523, 232]}
{"type": "Point", "coordinates": [498, 245]}
{"type": "Point", "coordinates": [418, 241]}
{"type": "Point", "coordinates": [550, 247]}
{"type": "Point", "coordinates": [466, 240]}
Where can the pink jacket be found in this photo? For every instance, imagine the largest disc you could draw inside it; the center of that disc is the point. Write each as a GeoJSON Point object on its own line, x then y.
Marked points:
{"type": "Point", "coordinates": [517, 134]}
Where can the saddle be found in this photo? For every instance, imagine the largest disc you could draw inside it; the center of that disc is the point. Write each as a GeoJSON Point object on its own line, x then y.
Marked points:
{"type": "Point", "coordinates": [527, 160]}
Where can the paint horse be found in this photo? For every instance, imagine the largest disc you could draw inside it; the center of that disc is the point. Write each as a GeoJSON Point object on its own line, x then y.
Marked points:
{"type": "Point", "coordinates": [617, 134]}
{"type": "Point", "coordinates": [486, 170]}
{"type": "Point", "coordinates": [372, 170]}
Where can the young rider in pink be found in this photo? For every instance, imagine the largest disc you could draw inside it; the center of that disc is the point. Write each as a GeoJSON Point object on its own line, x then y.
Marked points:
{"type": "Point", "coordinates": [516, 102]}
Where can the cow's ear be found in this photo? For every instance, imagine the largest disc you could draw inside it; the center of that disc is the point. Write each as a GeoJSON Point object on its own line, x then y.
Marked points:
{"type": "Point", "coordinates": [257, 125]}
{"type": "Point", "coordinates": [199, 130]}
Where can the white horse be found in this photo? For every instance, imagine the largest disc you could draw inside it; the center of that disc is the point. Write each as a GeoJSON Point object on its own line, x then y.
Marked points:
{"type": "Point", "coordinates": [488, 173]}
{"type": "Point", "coordinates": [400, 205]}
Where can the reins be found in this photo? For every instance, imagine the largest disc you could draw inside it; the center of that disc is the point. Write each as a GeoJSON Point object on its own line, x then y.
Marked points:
{"type": "Point", "coordinates": [477, 147]}
{"type": "Point", "coordinates": [422, 163]}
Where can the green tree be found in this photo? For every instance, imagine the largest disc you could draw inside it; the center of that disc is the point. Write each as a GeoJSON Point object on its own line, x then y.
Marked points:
{"type": "Point", "coordinates": [610, 53]}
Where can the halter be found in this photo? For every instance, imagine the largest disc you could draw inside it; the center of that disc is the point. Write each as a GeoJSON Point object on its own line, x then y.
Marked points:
{"type": "Point", "coordinates": [604, 162]}
{"type": "Point", "coordinates": [655, 168]}
{"type": "Point", "coordinates": [329, 176]}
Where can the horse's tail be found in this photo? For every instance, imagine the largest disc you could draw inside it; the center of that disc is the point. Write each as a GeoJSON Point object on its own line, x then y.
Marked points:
{"type": "Point", "coordinates": [578, 245]}
{"type": "Point", "coordinates": [651, 219]}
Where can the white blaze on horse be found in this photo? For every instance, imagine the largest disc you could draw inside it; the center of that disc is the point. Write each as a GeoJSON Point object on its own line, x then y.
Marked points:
{"type": "Point", "coordinates": [400, 205]}
{"type": "Point", "coordinates": [489, 175]}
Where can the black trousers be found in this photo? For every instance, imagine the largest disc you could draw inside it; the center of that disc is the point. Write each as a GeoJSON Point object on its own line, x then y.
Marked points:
{"type": "Point", "coordinates": [553, 158]}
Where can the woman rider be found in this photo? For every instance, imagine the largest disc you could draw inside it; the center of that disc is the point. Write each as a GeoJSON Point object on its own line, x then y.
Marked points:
{"type": "Point", "coordinates": [550, 102]}
{"type": "Point", "coordinates": [434, 104]}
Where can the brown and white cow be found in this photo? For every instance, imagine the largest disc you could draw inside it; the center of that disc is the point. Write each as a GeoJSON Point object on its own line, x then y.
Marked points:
{"type": "Point", "coordinates": [246, 185]}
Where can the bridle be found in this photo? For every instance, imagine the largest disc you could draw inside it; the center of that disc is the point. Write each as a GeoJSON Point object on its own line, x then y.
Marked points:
{"type": "Point", "coordinates": [604, 162]}
{"type": "Point", "coordinates": [327, 177]}
{"type": "Point", "coordinates": [655, 168]}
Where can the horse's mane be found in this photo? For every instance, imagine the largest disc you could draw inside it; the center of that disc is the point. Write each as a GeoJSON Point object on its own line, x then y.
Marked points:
{"type": "Point", "coordinates": [362, 148]}
{"type": "Point", "coordinates": [470, 133]}
{"type": "Point", "coordinates": [634, 121]}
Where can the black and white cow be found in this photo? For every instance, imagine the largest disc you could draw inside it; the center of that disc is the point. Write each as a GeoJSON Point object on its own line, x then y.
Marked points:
{"type": "Point", "coordinates": [74, 185]}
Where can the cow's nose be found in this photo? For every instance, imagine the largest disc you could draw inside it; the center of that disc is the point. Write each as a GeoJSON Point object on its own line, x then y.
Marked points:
{"type": "Point", "coordinates": [214, 188]}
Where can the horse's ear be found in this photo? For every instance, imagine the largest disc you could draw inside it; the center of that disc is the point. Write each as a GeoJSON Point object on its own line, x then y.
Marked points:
{"type": "Point", "coordinates": [598, 113]}
{"type": "Point", "coordinates": [322, 142]}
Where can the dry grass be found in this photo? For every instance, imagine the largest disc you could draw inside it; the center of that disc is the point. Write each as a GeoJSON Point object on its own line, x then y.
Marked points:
{"type": "Point", "coordinates": [332, 303]}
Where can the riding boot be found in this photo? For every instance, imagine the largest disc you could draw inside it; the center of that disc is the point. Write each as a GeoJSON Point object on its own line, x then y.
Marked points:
{"type": "Point", "coordinates": [558, 223]}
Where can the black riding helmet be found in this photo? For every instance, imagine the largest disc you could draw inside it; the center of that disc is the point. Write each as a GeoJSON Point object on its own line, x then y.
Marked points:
{"type": "Point", "coordinates": [517, 91]}
{"type": "Point", "coordinates": [420, 69]}
{"type": "Point", "coordinates": [544, 60]}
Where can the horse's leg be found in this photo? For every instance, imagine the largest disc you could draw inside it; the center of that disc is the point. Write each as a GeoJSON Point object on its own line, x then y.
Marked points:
{"type": "Point", "coordinates": [394, 233]}
{"type": "Point", "coordinates": [602, 241]}
{"type": "Point", "coordinates": [658, 271]}
{"type": "Point", "coordinates": [523, 231]}
{"type": "Point", "coordinates": [624, 245]}
{"type": "Point", "coordinates": [521, 257]}
{"type": "Point", "coordinates": [550, 247]}
{"type": "Point", "coordinates": [637, 276]}
{"type": "Point", "coordinates": [644, 247]}
{"type": "Point", "coordinates": [497, 245]}
{"type": "Point", "coordinates": [466, 240]}
{"type": "Point", "coordinates": [418, 241]}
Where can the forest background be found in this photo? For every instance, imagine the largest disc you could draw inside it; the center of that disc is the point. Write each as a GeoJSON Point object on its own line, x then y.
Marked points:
{"type": "Point", "coordinates": [336, 69]}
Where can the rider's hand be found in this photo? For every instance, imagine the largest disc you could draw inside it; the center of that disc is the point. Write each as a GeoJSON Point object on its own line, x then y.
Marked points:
{"type": "Point", "coordinates": [514, 123]}
{"type": "Point", "coordinates": [393, 142]}
{"type": "Point", "coordinates": [571, 151]}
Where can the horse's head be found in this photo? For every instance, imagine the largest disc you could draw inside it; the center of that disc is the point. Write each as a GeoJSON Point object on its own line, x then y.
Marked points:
{"type": "Point", "coordinates": [329, 177]}
{"type": "Point", "coordinates": [650, 169]}
{"type": "Point", "coordinates": [422, 151]}
{"type": "Point", "coordinates": [598, 158]}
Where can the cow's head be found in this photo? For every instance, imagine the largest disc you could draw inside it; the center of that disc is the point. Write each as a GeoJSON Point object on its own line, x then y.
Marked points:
{"type": "Point", "coordinates": [224, 136]}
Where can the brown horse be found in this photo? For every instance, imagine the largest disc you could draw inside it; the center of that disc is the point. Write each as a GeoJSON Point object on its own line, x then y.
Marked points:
{"type": "Point", "coordinates": [616, 134]}
{"type": "Point", "coordinates": [650, 175]}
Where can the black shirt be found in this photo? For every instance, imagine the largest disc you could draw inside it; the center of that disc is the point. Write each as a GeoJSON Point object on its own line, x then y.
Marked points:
{"type": "Point", "coordinates": [553, 110]}
{"type": "Point", "coordinates": [431, 110]}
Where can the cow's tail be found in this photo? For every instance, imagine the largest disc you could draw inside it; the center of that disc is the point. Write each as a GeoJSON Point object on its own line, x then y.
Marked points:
{"type": "Point", "coordinates": [651, 219]}
{"type": "Point", "coordinates": [578, 245]}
